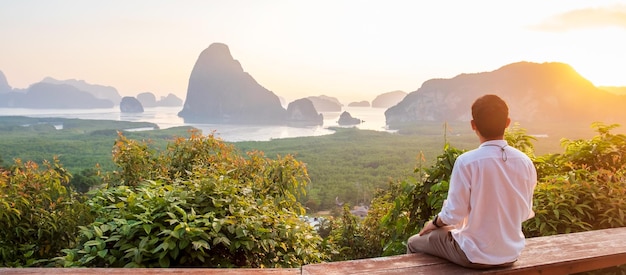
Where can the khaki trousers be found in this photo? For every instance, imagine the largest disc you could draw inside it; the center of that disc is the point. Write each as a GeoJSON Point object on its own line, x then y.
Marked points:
{"type": "Point", "coordinates": [440, 243]}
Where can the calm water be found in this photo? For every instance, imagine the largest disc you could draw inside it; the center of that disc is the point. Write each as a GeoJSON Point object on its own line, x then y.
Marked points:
{"type": "Point", "coordinates": [166, 117]}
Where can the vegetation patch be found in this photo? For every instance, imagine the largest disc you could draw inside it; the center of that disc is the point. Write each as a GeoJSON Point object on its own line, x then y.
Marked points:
{"type": "Point", "coordinates": [194, 200]}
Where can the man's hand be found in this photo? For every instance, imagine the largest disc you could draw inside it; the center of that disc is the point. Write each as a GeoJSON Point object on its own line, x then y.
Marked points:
{"type": "Point", "coordinates": [428, 227]}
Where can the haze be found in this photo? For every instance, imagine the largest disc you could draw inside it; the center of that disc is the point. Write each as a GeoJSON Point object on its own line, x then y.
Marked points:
{"type": "Point", "coordinates": [352, 50]}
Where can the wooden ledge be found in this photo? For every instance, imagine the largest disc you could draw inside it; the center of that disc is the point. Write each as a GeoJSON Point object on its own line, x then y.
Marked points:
{"type": "Point", "coordinates": [151, 271]}
{"type": "Point", "coordinates": [558, 254]}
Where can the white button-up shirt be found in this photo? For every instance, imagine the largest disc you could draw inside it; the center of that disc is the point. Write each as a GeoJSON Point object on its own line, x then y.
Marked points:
{"type": "Point", "coordinates": [490, 195]}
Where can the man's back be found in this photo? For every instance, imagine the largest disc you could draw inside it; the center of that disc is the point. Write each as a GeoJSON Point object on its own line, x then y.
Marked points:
{"type": "Point", "coordinates": [490, 196]}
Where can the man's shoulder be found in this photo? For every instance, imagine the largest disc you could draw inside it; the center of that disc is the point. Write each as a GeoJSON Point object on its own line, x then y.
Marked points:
{"type": "Point", "coordinates": [519, 153]}
{"type": "Point", "coordinates": [482, 152]}
{"type": "Point", "coordinates": [469, 155]}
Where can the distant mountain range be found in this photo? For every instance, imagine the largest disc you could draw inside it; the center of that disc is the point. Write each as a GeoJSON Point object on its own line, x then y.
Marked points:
{"type": "Point", "coordinates": [535, 92]}
{"type": "Point", "coordinates": [98, 91]}
{"type": "Point", "coordinates": [44, 95]}
{"type": "Point", "coordinates": [220, 91]}
{"type": "Point", "coordinates": [51, 93]}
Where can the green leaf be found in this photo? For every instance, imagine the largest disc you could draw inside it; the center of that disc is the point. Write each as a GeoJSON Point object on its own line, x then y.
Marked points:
{"type": "Point", "coordinates": [217, 226]}
{"type": "Point", "coordinates": [240, 232]}
{"type": "Point", "coordinates": [92, 243]}
{"type": "Point", "coordinates": [162, 246]}
{"type": "Point", "coordinates": [97, 231]}
{"type": "Point", "coordinates": [164, 262]}
{"type": "Point", "coordinates": [147, 228]}
{"type": "Point", "coordinates": [183, 243]}
{"type": "Point", "coordinates": [556, 213]}
{"type": "Point", "coordinates": [113, 238]}
{"type": "Point", "coordinates": [88, 259]}
{"type": "Point", "coordinates": [105, 228]}
{"type": "Point", "coordinates": [176, 233]}
{"type": "Point", "coordinates": [102, 253]}
{"type": "Point", "coordinates": [200, 244]}
{"type": "Point", "coordinates": [222, 240]}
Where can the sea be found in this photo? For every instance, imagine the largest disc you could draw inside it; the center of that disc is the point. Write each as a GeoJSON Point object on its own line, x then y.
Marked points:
{"type": "Point", "coordinates": [167, 117]}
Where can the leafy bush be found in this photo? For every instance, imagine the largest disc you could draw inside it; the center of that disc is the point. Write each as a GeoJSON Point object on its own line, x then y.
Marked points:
{"type": "Point", "coordinates": [348, 240]}
{"type": "Point", "coordinates": [198, 203]}
{"type": "Point", "coordinates": [415, 201]}
{"type": "Point", "coordinates": [395, 213]}
{"type": "Point", "coordinates": [38, 213]}
{"type": "Point", "coordinates": [85, 180]}
{"type": "Point", "coordinates": [604, 151]}
{"type": "Point", "coordinates": [583, 188]}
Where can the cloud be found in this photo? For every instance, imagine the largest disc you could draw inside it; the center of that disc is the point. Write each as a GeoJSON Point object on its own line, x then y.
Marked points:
{"type": "Point", "coordinates": [598, 17]}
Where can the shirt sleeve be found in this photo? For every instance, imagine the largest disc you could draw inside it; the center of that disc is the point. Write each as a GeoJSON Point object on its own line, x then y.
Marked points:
{"type": "Point", "coordinates": [457, 205]}
{"type": "Point", "coordinates": [532, 171]}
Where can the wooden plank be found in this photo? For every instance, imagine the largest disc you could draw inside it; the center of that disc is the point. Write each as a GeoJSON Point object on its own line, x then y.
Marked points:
{"type": "Point", "coordinates": [559, 254]}
{"type": "Point", "coordinates": [572, 253]}
{"type": "Point", "coordinates": [372, 265]}
{"type": "Point", "coordinates": [416, 263]}
{"type": "Point", "coordinates": [151, 271]}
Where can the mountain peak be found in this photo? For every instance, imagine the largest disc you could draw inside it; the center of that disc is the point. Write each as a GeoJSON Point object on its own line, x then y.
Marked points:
{"type": "Point", "coordinates": [548, 92]}
{"type": "Point", "coordinates": [4, 84]}
{"type": "Point", "coordinates": [220, 91]}
{"type": "Point", "coordinates": [216, 59]}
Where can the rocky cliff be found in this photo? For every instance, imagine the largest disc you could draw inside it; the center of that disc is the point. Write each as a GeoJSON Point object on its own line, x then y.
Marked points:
{"type": "Point", "coordinates": [129, 104]}
{"type": "Point", "coordinates": [4, 84]}
{"type": "Point", "coordinates": [535, 92]}
{"type": "Point", "coordinates": [301, 112]}
{"type": "Point", "coordinates": [347, 119]}
{"type": "Point", "coordinates": [170, 100]}
{"type": "Point", "coordinates": [325, 103]}
{"type": "Point", "coordinates": [220, 91]}
{"type": "Point", "coordinates": [148, 99]}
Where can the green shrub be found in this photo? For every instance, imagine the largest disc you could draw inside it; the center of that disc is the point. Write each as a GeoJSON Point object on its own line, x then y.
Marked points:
{"type": "Point", "coordinates": [415, 201]}
{"type": "Point", "coordinates": [603, 151]}
{"type": "Point", "coordinates": [578, 201]}
{"type": "Point", "coordinates": [86, 179]}
{"type": "Point", "coordinates": [348, 240]}
{"type": "Point", "coordinates": [198, 203]}
{"type": "Point", "coordinates": [583, 188]}
{"type": "Point", "coordinates": [38, 213]}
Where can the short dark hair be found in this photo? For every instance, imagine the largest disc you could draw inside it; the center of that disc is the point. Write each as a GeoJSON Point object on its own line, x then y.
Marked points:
{"type": "Point", "coordinates": [490, 114]}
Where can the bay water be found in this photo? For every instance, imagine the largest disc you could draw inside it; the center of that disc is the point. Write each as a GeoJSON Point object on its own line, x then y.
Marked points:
{"type": "Point", "coordinates": [166, 117]}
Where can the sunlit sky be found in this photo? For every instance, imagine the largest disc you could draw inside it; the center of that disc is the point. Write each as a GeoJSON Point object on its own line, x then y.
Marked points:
{"type": "Point", "coordinates": [352, 50]}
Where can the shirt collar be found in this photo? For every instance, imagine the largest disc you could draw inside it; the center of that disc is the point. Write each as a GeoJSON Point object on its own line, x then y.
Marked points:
{"type": "Point", "coordinates": [497, 142]}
